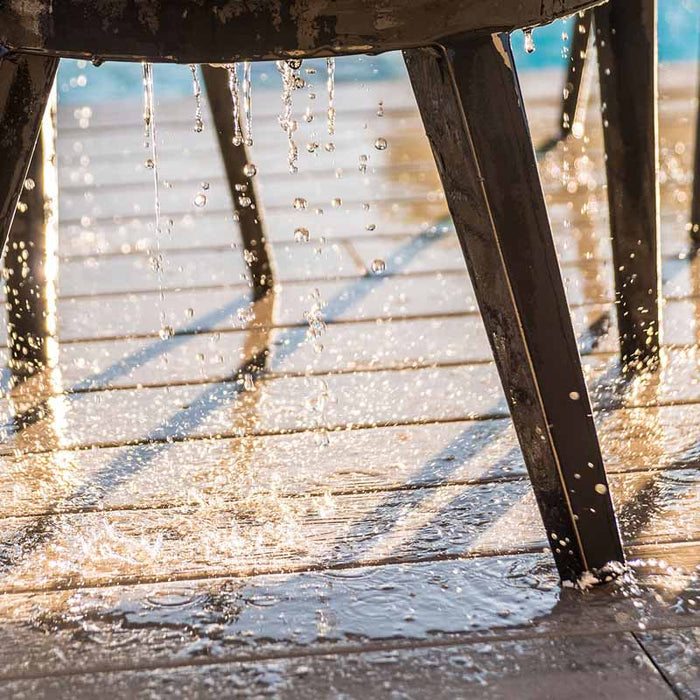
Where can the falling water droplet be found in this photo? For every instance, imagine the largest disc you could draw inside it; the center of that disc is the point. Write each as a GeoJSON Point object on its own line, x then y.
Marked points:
{"type": "Point", "coordinates": [249, 170]}
{"type": "Point", "coordinates": [197, 89]}
{"type": "Point", "coordinates": [300, 203]}
{"type": "Point", "coordinates": [301, 234]}
{"type": "Point", "coordinates": [166, 332]}
{"type": "Point", "coordinates": [378, 266]}
{"type": "Point", "coordinates": [380, 109]}
{"type": "Point", "coordinates": [200, 199]}
{"type": "Point", "coordinates": [204, 185]}
{"type": "Point", "coordinates": [381, 144]}
{"type": "Point", "coordinates": [336, 202]}
{"type": "Point", "coordinates": [529, 41]}
{"type": "Point", "coordinates": [602, 489]}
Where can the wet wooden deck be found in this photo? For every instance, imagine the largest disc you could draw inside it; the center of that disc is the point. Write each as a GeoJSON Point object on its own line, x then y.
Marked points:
{"type": "Point", "coordinates": [169, 530]}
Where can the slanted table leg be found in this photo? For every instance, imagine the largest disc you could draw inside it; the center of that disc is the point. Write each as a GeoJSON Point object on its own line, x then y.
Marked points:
{"type": "Point", "coordinates": [235, 158]}
{"type": "Point", "coordinates": [627, 63]}
{"type": "Point", "coordinates": [472, 109]}
{"type": "Point", "coordinates": [695, 207]}
{"type": "Point", "coordinates": [25, 86]}
{"type": "Point", "coordinates": [31, 261]}
{"type": "Point", "coordinates": [575, 101]}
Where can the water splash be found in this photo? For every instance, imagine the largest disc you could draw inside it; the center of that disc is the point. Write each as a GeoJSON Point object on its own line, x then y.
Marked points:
{"type": "Point", "coordinates": [234, 89]}
{"type": "Point", "coordinates": [197, 89]}
{"type": "Point", "coordinates": [330, 64]}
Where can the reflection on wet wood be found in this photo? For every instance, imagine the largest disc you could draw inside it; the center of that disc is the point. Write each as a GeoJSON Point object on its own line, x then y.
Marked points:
{"type": "Point", "coordinates": [477, 601]}
{"type": "Point", "coordinates": [413, 499]}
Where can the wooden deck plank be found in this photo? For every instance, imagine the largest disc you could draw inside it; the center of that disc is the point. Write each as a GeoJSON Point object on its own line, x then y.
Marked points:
{"type": "Point", "coordinates": [261, 532]}
{"type": "Point", "coordinates": [675, 654]}
{"type": "Point", "coordinates": [609, 666]}
{"type": "Point", "coordinates": [379, 459]}
{"type": "Point", "coordinates": [289, 404]}
{"type": "Point", "coordinates": [462, 601]}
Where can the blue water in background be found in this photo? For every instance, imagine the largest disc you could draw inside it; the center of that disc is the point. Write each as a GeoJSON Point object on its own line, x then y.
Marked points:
{"type": "Point", "coordinates": [678, 40]}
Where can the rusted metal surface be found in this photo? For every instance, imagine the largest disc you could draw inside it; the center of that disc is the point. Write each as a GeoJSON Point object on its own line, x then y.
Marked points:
{"type": "Point", "coordinates": [627, 63]}
{"type": "Point", "coordinates": [470, 101]}
{"type": "Point", "coordinates": [573, 112]}
{"type": "Point", "coordinates": [25, 85]}
{"type": "Point", "coordinates": [241, 187]}
{"type": "Point", "coordinates": [192, 31]}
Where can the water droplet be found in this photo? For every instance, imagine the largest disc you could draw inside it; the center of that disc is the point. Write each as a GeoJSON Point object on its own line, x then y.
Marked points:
{"type": "Point", "coordinates": [336, 202]}
{"type": "Point", "coordinates": [166, 332]}
{"type": "Point", "coordinates": [200, 199]}
{"type": "Point", "coordinates": [370, 227]}
{"type": "Point", "coordinates": [248, 382]}
{"type": "Point", "coordinates": [378, 266]}
{"type": "Point", "coordinates": [301, 234]}
{"type": "Point", "coordinates": [205, 185]}
{"type": "Point", "coordinates": [245, 201]}
{"type": "Point", "coordinates": [148, 163]}
{"type": "Point", "coordinates": [189, 312]}
{"type": "Point", "coordinates": [529, 41]}
{"type": "Point", "coordinates": [300, 203]}
{"type": "Point", "coordinates": [381, 144]}
{"type": "Point", "coordinates": [602, 489]}
{"type": "Point", "coordinates": [249, 170]}
{"type": "Point", "coordinates": [380, 109]}
{"type": "Point", "coordinates": [574, 395]}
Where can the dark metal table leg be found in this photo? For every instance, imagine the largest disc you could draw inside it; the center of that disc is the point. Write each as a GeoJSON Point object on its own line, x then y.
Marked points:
{"type": "Point", "coordinates": [575, 99]}
{"type": "Point", "coordinates": [235, 159]}
{"type": "Point", "coordinates": [695, 206]}
{"type": "Point", "coordinates": [25, 85]}
{"type": "Point", "coordinates": [472, 109]}
{"type": "Point", "coordinates": [627, 62]}
{"type": "Point", "coordinates": [31, 262]}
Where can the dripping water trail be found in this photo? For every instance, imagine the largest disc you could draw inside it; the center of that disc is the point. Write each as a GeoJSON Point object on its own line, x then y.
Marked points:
{"type": "Point", "coordinates": [286, 121]}
{"type": "Point", "coordinates": [330, 63]}
{"type": "Point", "coordinates": [248, 102]}
{"type": "Point", "coordinates": [151, 143]}
{"type": "Point", "coordinates": [233, 87]}
{"type": "Point", "coordinates": [197, 89]}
